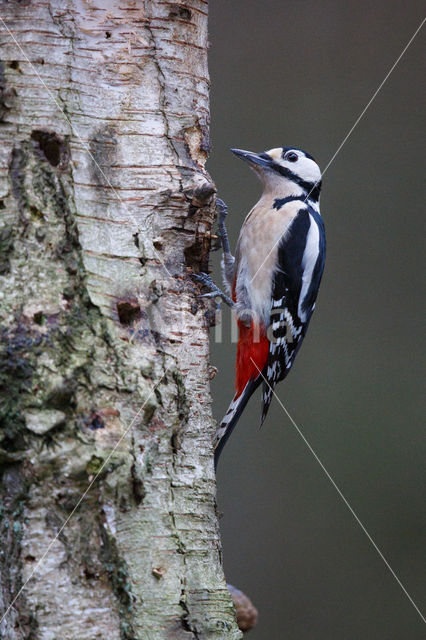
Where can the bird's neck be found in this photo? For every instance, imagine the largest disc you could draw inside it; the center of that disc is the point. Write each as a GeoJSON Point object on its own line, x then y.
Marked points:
{"type": "Point", "coordinates": [278, 187]}
{"type": "Point", "coordinates": [282, 188]}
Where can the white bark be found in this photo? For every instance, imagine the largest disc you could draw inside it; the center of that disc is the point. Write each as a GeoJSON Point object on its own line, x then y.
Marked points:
{"type": "Point", "coordinates": [106, 209]}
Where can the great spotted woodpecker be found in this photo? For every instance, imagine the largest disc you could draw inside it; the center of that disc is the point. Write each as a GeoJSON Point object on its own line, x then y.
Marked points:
{"type": "Point", "coordinates": [273, 279]}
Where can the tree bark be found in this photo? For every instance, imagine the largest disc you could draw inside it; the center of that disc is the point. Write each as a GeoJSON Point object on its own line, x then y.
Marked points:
{"type": "Point", "coordinates": [106, 208]}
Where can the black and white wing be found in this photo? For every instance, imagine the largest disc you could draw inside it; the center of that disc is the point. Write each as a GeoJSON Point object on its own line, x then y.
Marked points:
{"type": "Point", "coordinates": [299, 268]}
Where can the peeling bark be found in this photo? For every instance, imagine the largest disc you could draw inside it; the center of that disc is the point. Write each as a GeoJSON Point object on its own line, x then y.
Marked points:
{"type": "Point", "coordinates": [105, 210]}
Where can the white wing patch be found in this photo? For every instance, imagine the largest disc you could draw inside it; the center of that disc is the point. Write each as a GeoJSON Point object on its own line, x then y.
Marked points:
{"type": "Point", "coordinates": [310, 256]}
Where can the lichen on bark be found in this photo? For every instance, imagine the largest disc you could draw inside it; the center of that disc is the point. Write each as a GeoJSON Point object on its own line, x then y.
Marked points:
{"type": "Point", "coordinates": [105, 210]}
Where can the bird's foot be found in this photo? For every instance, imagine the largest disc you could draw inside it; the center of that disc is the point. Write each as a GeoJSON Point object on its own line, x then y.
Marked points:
{"type": "Point", "coordinates": [215, 292]}
{"type": "Point", "coordinates": [222, 211]}
{"type": "Point", "coordinates": [222, 235]}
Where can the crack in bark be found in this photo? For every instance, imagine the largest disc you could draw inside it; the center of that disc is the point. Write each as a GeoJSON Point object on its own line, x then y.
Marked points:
{"type": "Point", "coordinates": [185, 616]}
{"type": "Point", "coordinates": [162, 95]}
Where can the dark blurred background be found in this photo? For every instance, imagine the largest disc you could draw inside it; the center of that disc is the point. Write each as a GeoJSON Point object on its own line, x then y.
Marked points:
{"type": "Point", "coordinates": [300, 73]}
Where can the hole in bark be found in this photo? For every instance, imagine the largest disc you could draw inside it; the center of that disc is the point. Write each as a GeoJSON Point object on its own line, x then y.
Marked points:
{"type": "Point", "coordinates": [68, 294]}
{"type": "Point", "coordinates": [157, 245]}
{"type": "Point", "coordinates": [128, 311]}
{"type": "Point", "coordinates": [36, 213]}
{"type": "Point", "coordinates": [62, 397]}
{"type": "Point", "coordinates": [108, 34]}
{"type": "Point", "coordinates": [94, 421]}
{"type": "Point", "coordinates": [89, 574]}
{"type": "Point", "coordinates": [29, 558]}
{"type": "Point", "coordinates": [39, 318]}
{"type": "Point", "coordinates": [137, 486]}
{"type": "Point", "coordinates": [97, 423]}
{"type": "Point", "coordinates": [50, 144]}
{"type": "Point", "coordinates": [204, 192]}
{"type": "Point", "coordinates": [2, 205]}
{"type": "Point", "coordinates": [175, 443]}
{"type": "Point", "coordinates": [197, 254]}
{"type": "Point", "coordinates": [14, 64]}
{"type": "Point", "coordinates": [178, 11]}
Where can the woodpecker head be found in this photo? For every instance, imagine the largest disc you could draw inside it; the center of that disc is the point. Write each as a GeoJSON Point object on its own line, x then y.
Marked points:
{"type": "Point", "coordinates": [285, 168]}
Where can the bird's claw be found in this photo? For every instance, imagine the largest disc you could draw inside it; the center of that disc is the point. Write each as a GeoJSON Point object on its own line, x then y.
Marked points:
{"type": "Point", "coordinates": [215, 292]}
{"type": "Point", "coordinates": [212, 294]}
{"type": "Point", "coordinates": [203, 278]}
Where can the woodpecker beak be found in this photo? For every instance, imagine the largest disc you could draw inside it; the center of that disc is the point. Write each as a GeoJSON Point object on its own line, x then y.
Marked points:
{"type": "Point", "coordinates": [261, 159]}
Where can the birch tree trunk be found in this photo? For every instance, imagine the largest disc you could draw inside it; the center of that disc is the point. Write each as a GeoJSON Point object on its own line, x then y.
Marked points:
{"type": "Point", "coordinates": [105, 210]}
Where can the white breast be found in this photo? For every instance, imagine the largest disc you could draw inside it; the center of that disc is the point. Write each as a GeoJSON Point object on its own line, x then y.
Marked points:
{"type": "Point", "coordinates": [256, 256]}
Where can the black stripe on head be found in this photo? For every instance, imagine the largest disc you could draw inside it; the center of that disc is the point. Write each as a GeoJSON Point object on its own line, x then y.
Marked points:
{"type": "Point", "coordinates": [312, 189]}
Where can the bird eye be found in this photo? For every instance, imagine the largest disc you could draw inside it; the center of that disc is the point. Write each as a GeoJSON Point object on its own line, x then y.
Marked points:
{"type": "Point", "coordinates": [292, 157]}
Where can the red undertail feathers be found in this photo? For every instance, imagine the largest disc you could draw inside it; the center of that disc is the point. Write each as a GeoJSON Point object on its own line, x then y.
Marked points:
{"type": "Point", "coordinates": [252, 354]}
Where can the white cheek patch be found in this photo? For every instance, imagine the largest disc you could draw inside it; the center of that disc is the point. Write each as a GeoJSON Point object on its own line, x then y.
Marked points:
{"type": "Point", "coordinates": [308, 170]}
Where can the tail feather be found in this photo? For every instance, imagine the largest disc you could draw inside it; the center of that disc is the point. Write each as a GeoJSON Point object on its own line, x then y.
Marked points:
{"type": "Point", "coordinates": [232, 416]}
{"type": "Point", "coordinates": [252, 355]}
{"type": "Point", "coordinates": [267, 393]}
